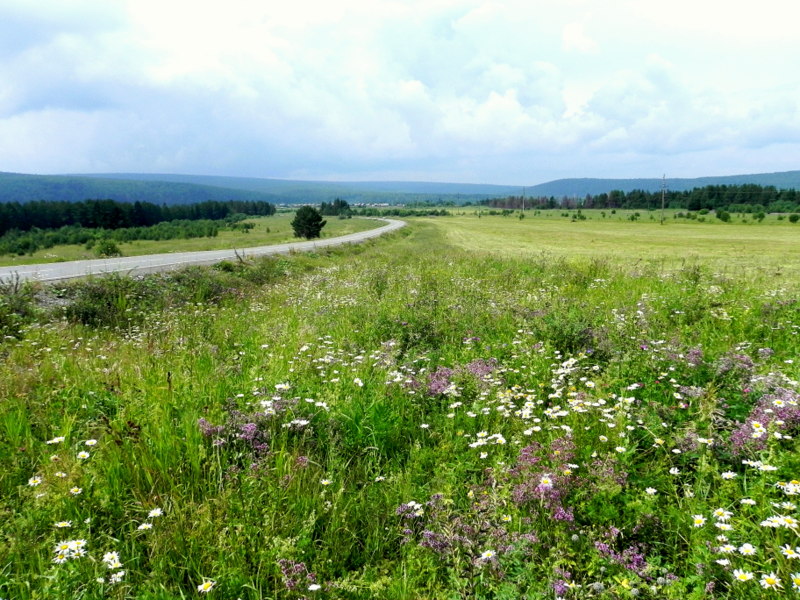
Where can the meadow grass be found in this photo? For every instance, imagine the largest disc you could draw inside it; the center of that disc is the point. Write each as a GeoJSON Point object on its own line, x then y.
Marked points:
{"type": "Point", "coordinates": [424, 416]}
{"type": "Point", "coordinates": [275, 229]}
{"type": "Point", "coordinates": [772, 246]}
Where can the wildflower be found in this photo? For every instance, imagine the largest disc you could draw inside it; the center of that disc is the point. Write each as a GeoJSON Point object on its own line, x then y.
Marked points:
{"type": "Point", "coordinates": [380, 478]}
{"type": "Point", "coordinates": [546, 480]}
{"type": "Point", "coordinates": [748, 501]}
{"type": "Point", "coordinates": [723, 526]}
{"type": "Point", "coordinates": [55, 440]}
{"type": "Point", "coordinates": [795, 580]}
{"type": "Point", "coordinates": [727, 548]}
{"type": "Point", "coordinates": [325, 482]}
{"type": "Point", "coordinates": [75, 491]}
{"type": "Point", "coordinates": [34, 481]}
{"type": "Point", "coordinates": [506, 518]}
{"type": "Point", "coordinates": [83, 455]}
{"type": "Point", "coordinates": [314, 587]}
{"type": "Point", "coordinates": [741, 575]}
{"type": "Point", "coordinates": [116, 577]}
{"type": "Point", "coordinates": [722, 514]}
{"type": "Point", "coordinates": [651, 491]}
{"type": "Point", "coordinates": [729, 475]}
{"type": "Point", "coordinates": [145, 526]}
{"type": "Point", "coordinates": [90, 442]}
{"type": "Point", "coordinates": [620, 449]}
{"type": "Point", "coordinates": [60, 474]}
{"type": "Point", "coordinates": [208, 585]}
{"type": "Point", "coordinates": [156, 512]}
{"type": "Point", "coordinates": [487, 554]}
{"type": "Point", "coordinates": [674, 471]}
{"type": "Point", "coordinates": [424, 426]}
{"type": "Point", "coordinates": [770, 582]}
{"type": "Point", "coordinates": [747, 550]}
{"type": "Point", "coordinates": [698, 520]}
{"type": "Point", "coordinates": [63, 524]}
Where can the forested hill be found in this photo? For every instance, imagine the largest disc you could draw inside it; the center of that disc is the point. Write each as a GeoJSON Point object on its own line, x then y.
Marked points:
{"type": "Point", "coordinates": [173, 189]}
{"type": "Point", "coordinates": [581, 187]}
{"type": "Point", "coordinates": [16, 187]}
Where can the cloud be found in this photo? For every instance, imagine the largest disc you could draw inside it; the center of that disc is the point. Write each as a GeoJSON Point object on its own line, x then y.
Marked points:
{"type": "Point", "coordinates": [511, 91]}
{"type": "Point", "coordinates": [573, 37]}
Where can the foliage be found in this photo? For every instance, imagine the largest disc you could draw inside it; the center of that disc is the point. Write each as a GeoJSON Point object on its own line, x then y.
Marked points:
{"type": "Point", "coordinates": [407, 419]}
{"type": "Point", "coordinates": [307, 223]}
{"type": "Point", "coordinates": [110, 214]}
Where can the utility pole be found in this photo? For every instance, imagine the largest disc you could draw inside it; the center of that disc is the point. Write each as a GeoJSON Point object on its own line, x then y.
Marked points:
{"type": "Point", "coordinates": [523, 199]}
{"type": "Point", "coordinates": [663, 194]}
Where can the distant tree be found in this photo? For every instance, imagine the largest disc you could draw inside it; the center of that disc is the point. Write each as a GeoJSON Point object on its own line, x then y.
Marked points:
{"type": "Point", "coordinates": [307, 222]}
{"type": "Point", "coordinates": [794, 218]}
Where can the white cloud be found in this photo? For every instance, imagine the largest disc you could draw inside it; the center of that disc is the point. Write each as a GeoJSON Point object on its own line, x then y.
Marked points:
{"type": "Point", "coordinates": [573, 37]}
{"type": "Point", "coordinates": [470, 89]}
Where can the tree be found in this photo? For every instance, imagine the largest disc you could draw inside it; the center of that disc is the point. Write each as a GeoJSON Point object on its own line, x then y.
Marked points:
{"type": "Point", "coordinates": [307, 222]}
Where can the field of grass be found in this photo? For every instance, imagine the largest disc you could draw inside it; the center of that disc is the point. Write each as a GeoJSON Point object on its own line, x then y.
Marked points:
{"type": "Point", "coordinates": [771, 247]}
{"type": "Point", "coordinates": [276, 229]}
{"type": "Point", "coordinates": [469, 408]}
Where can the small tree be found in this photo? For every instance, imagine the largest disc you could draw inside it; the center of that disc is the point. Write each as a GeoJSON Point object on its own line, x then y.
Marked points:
{"type": "Point", "coordinates": [307, 222]}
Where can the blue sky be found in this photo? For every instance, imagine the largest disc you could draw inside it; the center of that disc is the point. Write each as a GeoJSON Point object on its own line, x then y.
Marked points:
{"type": "Point", "coordinates": [514, 92]}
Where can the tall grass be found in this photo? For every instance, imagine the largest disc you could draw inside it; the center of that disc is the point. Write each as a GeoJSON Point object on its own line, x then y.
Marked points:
{"type": "Point", "coordinates": [404, 420]}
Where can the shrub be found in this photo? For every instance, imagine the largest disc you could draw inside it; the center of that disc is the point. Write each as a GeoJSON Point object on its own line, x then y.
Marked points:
{"type": "Point", "coordinates": [307, 223]}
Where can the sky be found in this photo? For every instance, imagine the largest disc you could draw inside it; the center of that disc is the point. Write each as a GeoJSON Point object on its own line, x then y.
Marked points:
{"type": "Point", "coordinates": [509, 92]}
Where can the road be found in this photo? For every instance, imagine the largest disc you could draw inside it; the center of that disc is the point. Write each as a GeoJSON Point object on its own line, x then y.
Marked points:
{"type": "Point", "coordinates": [163, 262]}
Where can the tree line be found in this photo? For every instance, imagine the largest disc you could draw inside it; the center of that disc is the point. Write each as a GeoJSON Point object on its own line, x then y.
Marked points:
{"type": "Point", "coordinates": [110, 214]}
{"type": "Point", "coordinates": [745, 198]}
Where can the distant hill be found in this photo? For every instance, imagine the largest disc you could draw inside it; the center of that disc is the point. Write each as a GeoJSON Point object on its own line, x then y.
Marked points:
{"type": "Point", "coordinates": [17, 187]}
{"type": "Point", "coordinates": [580, 187]}
{"type": "Point", "coordinates": [183, 189]}
{"type": "Point", "coordinates": [295, 191]}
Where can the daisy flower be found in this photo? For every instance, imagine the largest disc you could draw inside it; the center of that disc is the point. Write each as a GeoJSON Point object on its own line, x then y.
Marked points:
{"type": "Point", "coordinates": [487, 554]}
{"type": "Point", "coordinates": [747, 550]}
{"type": "Point", "coordinates": [770, 582]}
{"type": "Point", "coordinates": [698, 520]}
{"type": "Point", "coordinates": [795, 577]}
{"type": "Point", "coordinates": [156, 512]}
{"type": "Point", "coordinates": [83, 455]}
{"type": "Point", "coordinates": [740, 575]}
{"type": "Point", "coordinates": [206, 586]}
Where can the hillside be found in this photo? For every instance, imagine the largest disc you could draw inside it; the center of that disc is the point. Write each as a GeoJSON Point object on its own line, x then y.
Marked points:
{"type": "Point", "coordinates": [581, 187]}
{"type": "Point", "coordinates": [184, 189]}
{"type": "Point", "coordinates": [17, 187]}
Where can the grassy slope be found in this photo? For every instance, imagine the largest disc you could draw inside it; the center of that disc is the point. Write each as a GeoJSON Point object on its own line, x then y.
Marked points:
{"type": "Point", "coordinates": [365, 331]}
{"type": "Point", "coordinates": [276, 229]}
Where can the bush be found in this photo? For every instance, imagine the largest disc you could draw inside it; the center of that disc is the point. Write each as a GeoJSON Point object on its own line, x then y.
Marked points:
{"type": "Point", "coordinates": [107, 248]}
{"type": "Point", "coordinates": [794, 218]}
{"type": "Point", "coordinates": [307, 223]}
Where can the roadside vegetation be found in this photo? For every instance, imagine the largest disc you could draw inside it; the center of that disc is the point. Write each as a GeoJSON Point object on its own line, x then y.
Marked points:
{"type": "Point", "coordinates": [251, 232]}
{"type": "Point", "coordinates": [423, 416]}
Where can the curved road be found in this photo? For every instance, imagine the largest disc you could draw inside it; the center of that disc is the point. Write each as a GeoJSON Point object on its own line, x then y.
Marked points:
{"type": "Point", "coordinates": [164, 262]}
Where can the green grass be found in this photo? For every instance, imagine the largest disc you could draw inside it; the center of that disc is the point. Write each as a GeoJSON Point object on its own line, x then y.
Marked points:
{"type": "Point", "coordinates": [285, 415]}
{"type": "Point", "coordinates": [276, 229]}
{"type": "Point", "coordinates": [770, 247]}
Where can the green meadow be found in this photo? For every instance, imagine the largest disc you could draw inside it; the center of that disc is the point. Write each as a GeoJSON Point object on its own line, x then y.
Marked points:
{"type": "Point", "coordinates": [275, 229]}
{"type": "Point", "coordinates": [487, 408]}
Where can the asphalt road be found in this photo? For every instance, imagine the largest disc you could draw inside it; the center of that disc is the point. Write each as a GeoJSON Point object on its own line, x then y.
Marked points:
{"type": "Point", "coordinates": [164, 262]}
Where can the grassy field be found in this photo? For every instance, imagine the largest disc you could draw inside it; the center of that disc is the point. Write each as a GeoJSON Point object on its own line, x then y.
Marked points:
{"type": "Point", "coordinates": [772, 246]}
{"type": "Point", "coordinates": [469, 408]}
{"type": "Point", "coordinates": [276, 229]}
